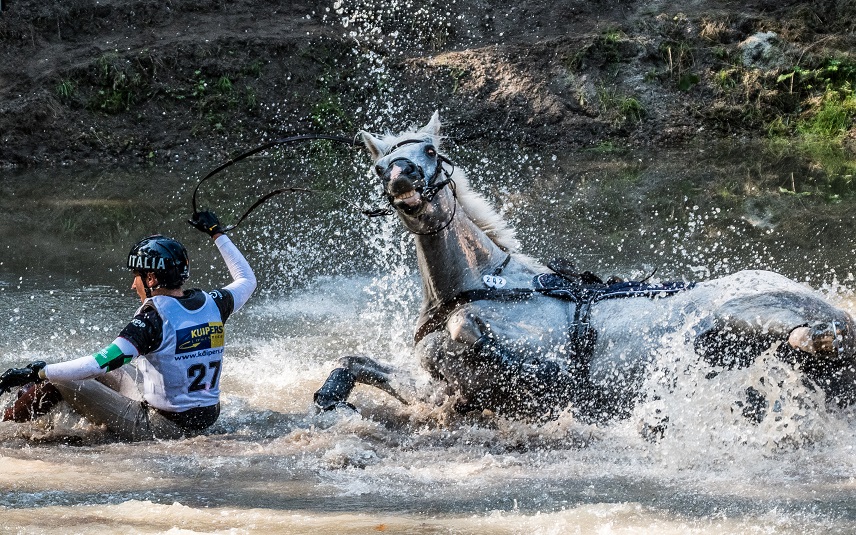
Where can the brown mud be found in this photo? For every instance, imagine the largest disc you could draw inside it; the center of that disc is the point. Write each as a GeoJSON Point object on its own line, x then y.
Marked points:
{"type": "Point", "coordinates": [144, 81]}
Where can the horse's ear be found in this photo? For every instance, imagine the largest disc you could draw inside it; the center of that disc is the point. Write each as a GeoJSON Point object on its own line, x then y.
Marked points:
{"type": "Point", "coordinates": [376, 147]}
{"type": "Point", "coordinates": [433, 126]}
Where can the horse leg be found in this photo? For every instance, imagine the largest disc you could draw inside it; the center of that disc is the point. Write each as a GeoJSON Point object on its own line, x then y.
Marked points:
{"type": "Point", "coordinates": [818, 337]}
{"type": "Point", "coordinates": [498, 376]}
{"type": "Point", "coordinates": [825, 351]}
{"type": "Point", "coordinates": [352, 370]}
{"type": "Point", "coordinates": [743, 327]}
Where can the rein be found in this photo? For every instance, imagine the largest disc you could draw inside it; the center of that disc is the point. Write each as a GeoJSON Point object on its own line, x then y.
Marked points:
{"type": "Point", "coordinates": [373, 212]}
{"type": "Point", "coordinates": [428, 190]}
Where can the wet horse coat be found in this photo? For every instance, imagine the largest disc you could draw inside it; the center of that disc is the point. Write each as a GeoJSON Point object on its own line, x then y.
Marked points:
{"type": "Point", "coordinates": [500, 342]}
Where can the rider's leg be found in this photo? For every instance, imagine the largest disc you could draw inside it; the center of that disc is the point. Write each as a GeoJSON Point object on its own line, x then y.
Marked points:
{"type": "Point", "coordinates": [37, 399]}
{"type": "Point", "coordinates": [114, 400]}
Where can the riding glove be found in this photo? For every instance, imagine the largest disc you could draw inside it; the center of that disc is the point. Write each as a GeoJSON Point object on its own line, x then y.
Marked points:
{"type": "Point", "coordinates": [206, 222]}
{"type": "Point", "coordinates": [15, 377]}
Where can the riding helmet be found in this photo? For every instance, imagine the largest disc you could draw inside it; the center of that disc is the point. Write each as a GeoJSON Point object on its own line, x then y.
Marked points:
{"type": "Point", "coordinates": [165, 257]}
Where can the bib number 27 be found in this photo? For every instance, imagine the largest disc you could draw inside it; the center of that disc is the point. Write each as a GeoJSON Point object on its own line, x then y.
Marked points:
{"type": "Point", "coordinates": [198, 372]}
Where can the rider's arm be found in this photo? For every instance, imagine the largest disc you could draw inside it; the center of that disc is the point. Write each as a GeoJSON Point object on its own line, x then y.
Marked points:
{"type": "Point", "coordinates": [142, 335]}
{"type": "Point", "coordinates": [120, 352]}
{"type": "Point", "coordinates": [243, 279]}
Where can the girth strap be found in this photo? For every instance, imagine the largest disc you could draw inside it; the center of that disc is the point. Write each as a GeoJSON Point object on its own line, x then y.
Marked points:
{"type": "Point", "coordinates": [438, 318]}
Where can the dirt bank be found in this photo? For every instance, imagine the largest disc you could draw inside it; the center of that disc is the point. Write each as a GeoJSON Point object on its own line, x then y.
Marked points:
{"type": "Point", "coordinates": [136, 81]}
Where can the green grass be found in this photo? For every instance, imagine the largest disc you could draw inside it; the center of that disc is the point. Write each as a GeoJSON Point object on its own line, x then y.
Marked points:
{"type": "Point", "coordinates": [726, 79]}
{"type": "Point", "coordinates": [632, 109]}
{"type": "Point", "coordinates": [833, 117]}
{"type": "Point", "coordinates": [65, 89]}
{"type": "Point", "coordinates": [620, 108]}
{"type": "Point", "coordinates": [118, 84]}
{"type": "Point", "coordinates": [224, 84]}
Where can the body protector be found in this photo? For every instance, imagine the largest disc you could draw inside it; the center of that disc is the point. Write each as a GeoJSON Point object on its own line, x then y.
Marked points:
{"type": "Point", "coordinates": [184, 371]}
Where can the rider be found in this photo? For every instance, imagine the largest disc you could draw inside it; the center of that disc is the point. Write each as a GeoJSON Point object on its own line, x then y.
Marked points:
{"type": "Point", "coordinates": [175, 340]}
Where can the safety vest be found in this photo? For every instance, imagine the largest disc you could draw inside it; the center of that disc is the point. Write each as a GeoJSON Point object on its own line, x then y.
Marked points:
{"type": "Point", "coordinates": [184, 371]}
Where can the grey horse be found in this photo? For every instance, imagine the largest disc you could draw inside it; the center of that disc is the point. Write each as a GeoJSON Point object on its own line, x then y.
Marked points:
{"type": "Point", "coordinates": [509, 335]}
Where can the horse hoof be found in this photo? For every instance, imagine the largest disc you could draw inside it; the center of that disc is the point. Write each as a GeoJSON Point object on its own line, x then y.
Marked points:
{"type": "Point", "coordinates": [825, 339]}
{"type": "Point", "coordinates": [341, 407]}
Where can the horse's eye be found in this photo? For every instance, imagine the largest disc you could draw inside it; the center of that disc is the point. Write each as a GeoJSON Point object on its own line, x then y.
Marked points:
{"type": "Point", "coordinates": [429, 150]}
{"type": "Point", "coordinates": [378, 170]}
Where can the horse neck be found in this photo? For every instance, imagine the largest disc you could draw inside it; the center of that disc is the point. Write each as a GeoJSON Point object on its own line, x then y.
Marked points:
{"type": "Point", "coordinates": [454, 260]}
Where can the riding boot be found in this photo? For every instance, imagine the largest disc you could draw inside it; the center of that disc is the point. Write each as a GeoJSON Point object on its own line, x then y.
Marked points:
{"type": "Point", "coordinates": [335, 390]}
{"type": "Point", "coordinates": [34, 400]}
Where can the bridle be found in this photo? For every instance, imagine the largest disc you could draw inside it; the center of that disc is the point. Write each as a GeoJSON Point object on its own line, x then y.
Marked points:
{"type": "Point", "coordinates": [431, 187]}
{"type": "Point", "coordinates": [428, 189]}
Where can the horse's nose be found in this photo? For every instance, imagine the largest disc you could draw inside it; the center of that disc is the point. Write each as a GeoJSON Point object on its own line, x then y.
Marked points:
{"type": "Point", "coordinates": [400, 176]}
{"type": "Point", "coordinates": [400, 168]}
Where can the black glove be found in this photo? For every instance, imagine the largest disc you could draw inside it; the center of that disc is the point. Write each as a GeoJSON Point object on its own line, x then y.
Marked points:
{"type": "Point", "coordinates": [206, 222]}
{"type": "Point", "coordinates": [15, 377]}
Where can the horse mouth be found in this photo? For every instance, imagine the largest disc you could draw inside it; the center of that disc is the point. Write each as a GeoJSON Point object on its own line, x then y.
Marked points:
{"type": "Point", "coordinates": [408, 200]}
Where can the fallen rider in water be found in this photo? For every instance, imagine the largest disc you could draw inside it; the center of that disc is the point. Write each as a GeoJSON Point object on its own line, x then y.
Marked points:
{"type": "Point", "coordinates": [160, 377]}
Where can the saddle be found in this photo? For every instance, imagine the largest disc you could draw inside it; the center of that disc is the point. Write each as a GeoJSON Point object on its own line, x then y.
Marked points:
{"type": "Point", "coordinates": [585, 289]}
{"type": "Point", "coordinates": [565, 282]}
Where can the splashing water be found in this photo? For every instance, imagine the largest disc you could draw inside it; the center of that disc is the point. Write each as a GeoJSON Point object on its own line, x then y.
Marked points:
{"type": "Point", "coordinates": [688, 459]}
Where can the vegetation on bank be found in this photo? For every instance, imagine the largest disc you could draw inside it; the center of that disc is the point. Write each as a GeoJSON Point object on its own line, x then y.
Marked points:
{"type": "Point", "coordinates": [636, 75]}
{"type": "Point", "coordinates": [794, 95]}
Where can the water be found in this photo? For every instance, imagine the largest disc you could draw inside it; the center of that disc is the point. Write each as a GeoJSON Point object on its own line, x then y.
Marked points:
{"type": "Point", "coordinates": [333, 283]}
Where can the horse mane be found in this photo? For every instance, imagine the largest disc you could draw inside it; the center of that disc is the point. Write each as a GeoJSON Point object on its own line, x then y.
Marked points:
{"type": "Point", "coordinates": [476, 206]}
{"type": "Point", "coordinates": [486, 217]}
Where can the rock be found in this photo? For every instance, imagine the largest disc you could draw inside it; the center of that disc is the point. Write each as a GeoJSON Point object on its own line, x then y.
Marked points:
{"type": "Point", "coordinates": [763, 50]}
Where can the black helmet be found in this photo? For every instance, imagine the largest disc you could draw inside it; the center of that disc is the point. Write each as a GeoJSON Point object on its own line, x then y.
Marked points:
{"type": "Point", "coordinates": [164, 257]}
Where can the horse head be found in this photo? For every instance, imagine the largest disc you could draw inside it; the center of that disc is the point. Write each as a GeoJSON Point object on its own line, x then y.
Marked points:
{"type": "Point", "coordinates": [412, 172]}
